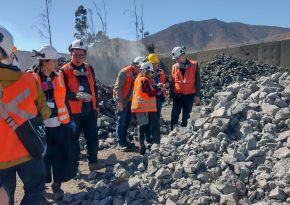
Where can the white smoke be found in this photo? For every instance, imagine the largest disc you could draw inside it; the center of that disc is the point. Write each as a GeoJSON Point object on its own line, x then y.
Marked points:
{"type": "Point", "coordinates": [107, 58]}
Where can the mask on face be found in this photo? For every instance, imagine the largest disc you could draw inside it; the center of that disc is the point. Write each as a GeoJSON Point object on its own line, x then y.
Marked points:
{"type": "Point", "coordinates": [182, 65]}
{"type": "Point", "coordinates": [15, 61]}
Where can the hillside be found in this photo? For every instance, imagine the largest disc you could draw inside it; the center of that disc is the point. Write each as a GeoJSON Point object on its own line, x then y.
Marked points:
{"type": "Point", "coordinates": [210, 34]}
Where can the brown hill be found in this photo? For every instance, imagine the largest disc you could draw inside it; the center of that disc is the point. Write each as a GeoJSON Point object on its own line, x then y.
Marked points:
{"type": "Point", "coordinates": [210, 34]}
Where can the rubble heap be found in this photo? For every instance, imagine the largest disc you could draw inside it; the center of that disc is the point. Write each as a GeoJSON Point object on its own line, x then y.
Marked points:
{"type": "Point", "coordinates": [223, 70]}
{"type": "Point", "coordinates": [236, 153]}
{"type": "Point", "coordinates": [106, 102]}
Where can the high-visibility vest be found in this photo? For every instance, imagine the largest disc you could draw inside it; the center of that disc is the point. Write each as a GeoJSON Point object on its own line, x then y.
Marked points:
{"type": "Point", "coordinates": [73, 86]}
{"type": "Point", "coordinates": [142, 102]}
{"type": "Point", "coordinates": [184, 84]}
{"type": "Point", "coordinates": [59, 94]}
{"type": "Point", "coordinates": [19, 101]}
{"type": "Point", "coordinates": [129, 79]}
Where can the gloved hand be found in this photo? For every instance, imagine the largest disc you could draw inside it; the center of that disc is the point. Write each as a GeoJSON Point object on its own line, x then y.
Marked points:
{"type": "Point", "coordinates": [72, 126]}
{"type": "Point", "coordinates": [84, 96]}
{"type": "Point", "coordinates": [87, 97]}
{"type": "Point", "coordinates": [80, 95]}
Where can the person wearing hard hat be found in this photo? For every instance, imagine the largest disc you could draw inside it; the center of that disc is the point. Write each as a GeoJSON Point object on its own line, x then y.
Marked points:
{"type": "Point", "coordinates": [57, 162]}
{"type": "Point", "coordinates": [186, 86]}
{"type": "Point", "coordinates": [144, 104]}
{"type": "Point", "coordinates": [122, 94]}
{"type": "Point", "coordinates": [82, 93]}
{"type": "Point", "coordinates": [157, 77]}
{"type": "Point", "coordinates": [21, 101]}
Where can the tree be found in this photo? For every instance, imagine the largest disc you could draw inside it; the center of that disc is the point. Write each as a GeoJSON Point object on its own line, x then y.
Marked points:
{"type": "Point", "coordinates": [151, 48]}
{"type": "Point", "coordinates": [102, 16]}
{"type": "Point", "coordinates": [45, 22]}
{"type": "Point", "coordinates": [81, 24]}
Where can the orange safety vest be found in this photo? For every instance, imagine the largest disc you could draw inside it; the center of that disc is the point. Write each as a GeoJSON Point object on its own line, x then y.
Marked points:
{"type": "Point", "coordinates": [142, 102]}
{"type": "Point", "coordinates": [73, 86]}
{"type": "Point", "coordinates": [19, 101]}
{"type": "Point", "coordinates": [184, 84]}
{"type": "Point", "coordinates": [127, 84]}
{"type": "Point", "coordinates": [59, 94]}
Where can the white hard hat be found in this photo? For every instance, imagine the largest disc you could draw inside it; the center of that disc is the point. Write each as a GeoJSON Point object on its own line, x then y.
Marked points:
{"type": "Point", "coordinates": [177, 51]}
{"type": "Point", "coordinates": [147, 66]}
{"type": "Point", "coordinates": [6, 42]}
{"type": "Point", "coordinates": [138, 61]}
{"type": "Point", "coordinates": [78, 44]}
{"type": "Point", "coordinates": [47, 52]}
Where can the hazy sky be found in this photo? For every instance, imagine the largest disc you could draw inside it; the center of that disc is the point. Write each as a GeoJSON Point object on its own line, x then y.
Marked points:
{"type": "Point", "coordinates": [21, 17]}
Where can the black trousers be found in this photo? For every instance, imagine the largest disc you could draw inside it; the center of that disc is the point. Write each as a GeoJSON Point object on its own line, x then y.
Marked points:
{"type": "Point", "coordinates": [87, 124]}
{"type": "Point", "coordinates": [184, 103]}
{"type": "Point", "coordinates": [155, 125]}
{"type": "Point", "coordinates": [59, 166]}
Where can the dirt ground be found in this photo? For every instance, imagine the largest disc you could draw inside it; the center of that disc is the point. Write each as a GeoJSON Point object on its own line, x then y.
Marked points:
{"type": "Point", "coordinates": [72, 186]}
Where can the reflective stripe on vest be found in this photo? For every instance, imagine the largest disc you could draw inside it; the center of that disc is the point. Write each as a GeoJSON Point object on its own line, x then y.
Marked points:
{"type": "Point", "coordinates": [141, 102]}
{"type": "Point", "coordinates": [59, 97]}
{"type": "Point", "coordinates": [19, 102]}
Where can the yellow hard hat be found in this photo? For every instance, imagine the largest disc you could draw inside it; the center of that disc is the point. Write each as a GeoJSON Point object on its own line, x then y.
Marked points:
{"type": "Point", "coordinates": [153, 58]}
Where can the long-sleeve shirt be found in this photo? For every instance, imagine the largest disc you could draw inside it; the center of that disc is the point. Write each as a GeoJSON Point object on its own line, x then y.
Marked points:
{"type": "Point", "coordinates": [147, 88]}
{"type": "Point", "coordinates": [121, 78]}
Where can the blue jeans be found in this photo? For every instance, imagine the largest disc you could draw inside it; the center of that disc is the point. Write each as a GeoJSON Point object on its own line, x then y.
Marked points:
{"type": "Point", "coordinates": [32, 175]}
{"type": "Point", "coordinates": [123, 121]}
{"type": "Point", "coordinates": [159, 103]}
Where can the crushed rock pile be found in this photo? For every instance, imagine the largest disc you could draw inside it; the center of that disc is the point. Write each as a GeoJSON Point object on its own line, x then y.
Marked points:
{"type": "Point", "coordinates": [236, 153]}
{"type": "Point", "coordinates": [223, 70]}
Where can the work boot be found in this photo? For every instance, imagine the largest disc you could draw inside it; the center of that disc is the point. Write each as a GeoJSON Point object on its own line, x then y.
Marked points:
{"type": "Point", "coordinates": [96, 166]}
{"type": "Point", "coordinates": [126, 147]}
{"type": "Point", "coordinates": [142, 150]}
{"type": "Point", "coordinates": [57, 191]}
{"type": "Point", "coordinates": [44, 201]}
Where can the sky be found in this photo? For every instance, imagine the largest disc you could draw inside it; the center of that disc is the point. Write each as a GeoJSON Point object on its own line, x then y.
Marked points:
{"type": "Point", "coordinates": [22, 17]}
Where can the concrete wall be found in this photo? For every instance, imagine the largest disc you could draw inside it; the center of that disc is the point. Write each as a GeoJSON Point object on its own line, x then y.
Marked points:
{"type": "Point", "coordinates": [275, 53]}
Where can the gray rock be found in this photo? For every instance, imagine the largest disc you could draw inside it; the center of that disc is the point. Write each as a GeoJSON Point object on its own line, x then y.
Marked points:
{"type": "Point", "coordinates": [141, 167]}
{"type": "Point", "coordinates": [163, 173]}
{"type": "Point", "coordinates": [282, 114]}
{"type": "Point", "coordinates": [200, 122]}
{"type": "Point", "coordinates": [283, 152]}
{"type": "Point", "coordinates": [277, 194]}
{"type": "Point", "coordinates": [191, 164]}
{"type": "Point", "coordinates": [283, 136]}
{"type": "Point", "coordinates": [111, 159]}
{"type": "Point", "coordinates": [269, 109]}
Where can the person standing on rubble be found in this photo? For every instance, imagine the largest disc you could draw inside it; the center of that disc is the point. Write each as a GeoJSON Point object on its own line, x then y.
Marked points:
{"type": "Point", "coordinates": [21, 101]}
{"type": "Point", "coordinates": [56, 160]}
{"type": "Point", "coordinates": [186, 85]}
{"type": "Point", "coordinates": [144, 104]}
{"type": "Point", "coordinates": [157, 77]}
{"type": "Point", "coordinates": [82, 95]}
{"type": "Point", "coordinates": [122, 94]}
